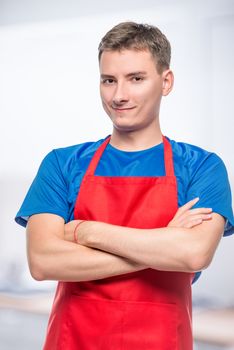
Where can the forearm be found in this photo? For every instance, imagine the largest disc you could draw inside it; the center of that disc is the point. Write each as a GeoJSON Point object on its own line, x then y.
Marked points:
{"type": "Point", "coordinates": [169, 248]}
{"type": "Point", "coordinates": [142, 246]}
{"type": "Point", "coordinates": [51, 257]}
{"type": "Point", "coordinates": [65, 261]}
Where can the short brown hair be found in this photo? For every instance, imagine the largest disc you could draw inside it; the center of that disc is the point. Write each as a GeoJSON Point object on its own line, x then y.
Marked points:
{"type": "Point", "coordinates": [131, 35]}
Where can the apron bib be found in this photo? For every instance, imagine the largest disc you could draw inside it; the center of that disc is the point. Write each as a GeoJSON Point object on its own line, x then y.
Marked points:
{"type": "Point", "coordinates": [143, 310]}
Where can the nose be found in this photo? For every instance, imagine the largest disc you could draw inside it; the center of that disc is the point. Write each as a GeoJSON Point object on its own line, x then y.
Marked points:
{"type": "Point", "coordinates": [120, 95]}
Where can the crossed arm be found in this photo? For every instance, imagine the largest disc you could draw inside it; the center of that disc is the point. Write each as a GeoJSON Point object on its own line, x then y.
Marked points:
{"type": "Point", "coordinates": [187, 244]}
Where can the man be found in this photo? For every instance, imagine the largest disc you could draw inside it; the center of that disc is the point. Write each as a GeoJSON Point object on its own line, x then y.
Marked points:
{"type": "Point", "coordinates": [103, 219]}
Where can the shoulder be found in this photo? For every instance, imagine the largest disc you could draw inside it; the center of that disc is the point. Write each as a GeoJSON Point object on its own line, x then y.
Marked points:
{"type": "Point", "coordinates": [77, 151]}
{"type": "Point", "coordinates": [195, 158]}
{"type": "Point", "coordinates": [187, 151]}
{"type": "Point", "coordinates": [65, 158]}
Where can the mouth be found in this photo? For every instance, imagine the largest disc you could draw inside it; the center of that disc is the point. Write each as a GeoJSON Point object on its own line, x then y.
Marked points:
{"type": "Point", "coordinates": [122, 109]}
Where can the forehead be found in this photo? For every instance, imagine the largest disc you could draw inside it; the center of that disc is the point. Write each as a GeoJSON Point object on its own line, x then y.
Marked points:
{"type": "Point", "coordinates": [125, 61]}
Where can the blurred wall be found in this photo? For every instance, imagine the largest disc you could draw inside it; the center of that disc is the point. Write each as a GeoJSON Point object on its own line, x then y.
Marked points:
{"type": "Point", "coordinates": [49, 98]}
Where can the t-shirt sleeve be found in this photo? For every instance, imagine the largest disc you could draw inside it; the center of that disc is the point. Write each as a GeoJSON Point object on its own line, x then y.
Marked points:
{"type": "Point", "coordinates": [47, 193]}
{"type": "Point", "coordinates": [210, 183]}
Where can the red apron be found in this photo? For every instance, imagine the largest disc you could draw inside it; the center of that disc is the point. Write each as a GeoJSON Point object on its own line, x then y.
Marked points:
{"type": "Point", "coordinates": [143, 310]}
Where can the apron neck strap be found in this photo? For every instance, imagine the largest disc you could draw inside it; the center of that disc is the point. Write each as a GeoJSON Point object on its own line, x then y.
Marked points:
{"type": "Point", "coordinates": [168, 157]}
{"type": "Point", "coordinates": [97, 155]}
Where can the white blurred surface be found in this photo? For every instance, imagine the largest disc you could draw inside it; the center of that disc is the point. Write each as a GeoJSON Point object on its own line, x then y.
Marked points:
{"type": "Point", "coordinates": [49, 98]}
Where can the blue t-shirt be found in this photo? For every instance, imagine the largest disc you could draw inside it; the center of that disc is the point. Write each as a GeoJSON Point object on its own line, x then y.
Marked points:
{"type": "Point", "coordinates": [199, 174]}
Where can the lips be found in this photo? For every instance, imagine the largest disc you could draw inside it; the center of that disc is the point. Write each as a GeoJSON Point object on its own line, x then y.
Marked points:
{"type": "Point", "coordinates": [123, 109]}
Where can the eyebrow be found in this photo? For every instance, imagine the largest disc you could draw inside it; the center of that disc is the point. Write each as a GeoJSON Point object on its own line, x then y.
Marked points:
{"type": "Point", "coordinates": [129, 75]}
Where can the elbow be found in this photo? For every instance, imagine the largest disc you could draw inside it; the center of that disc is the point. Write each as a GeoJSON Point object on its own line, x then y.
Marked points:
{"type": "Point", "coordinates": [198, 264]}
{"type": "Point", "coordinates": [199, 261]}
{"type": "Point", "coordinates": [36, 269]}
{"type": "Point", "coordinates": [37, 274]}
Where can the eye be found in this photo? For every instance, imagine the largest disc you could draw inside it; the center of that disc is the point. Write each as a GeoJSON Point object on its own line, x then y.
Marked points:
{"type": "Point", "coordinates": [137, 79]}
{"type": "Point", "coordinates": [108, 81]}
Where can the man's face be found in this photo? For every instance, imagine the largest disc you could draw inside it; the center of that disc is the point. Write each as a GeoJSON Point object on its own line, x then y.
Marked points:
{"type": "Point", "coordinates": [130, 88]}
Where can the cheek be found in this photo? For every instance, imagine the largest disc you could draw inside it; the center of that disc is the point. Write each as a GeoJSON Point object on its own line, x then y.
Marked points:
{"type": "Point", "coordinates": [146, 90]}
{"type": "Point", "coordinates": [105, 95]}
{"type": "Point", "coordinates": [105, 106]}
{"type": "Point", "coordinates": [150, 105]}
{"type": "Point", "coordinates": [146, 98]}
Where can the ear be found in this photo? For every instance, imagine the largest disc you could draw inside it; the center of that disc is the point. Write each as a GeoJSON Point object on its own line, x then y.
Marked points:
{"type": "Point", "coordinates": [168, 81]}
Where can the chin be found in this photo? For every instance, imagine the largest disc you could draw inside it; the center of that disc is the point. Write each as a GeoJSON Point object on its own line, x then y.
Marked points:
{"type": "Point", "coordinates": [122, 124]}
{"type": "Point", "coordinates": [125, 128]}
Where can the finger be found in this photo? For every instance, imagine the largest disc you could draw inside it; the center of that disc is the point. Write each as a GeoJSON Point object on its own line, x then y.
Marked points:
{"type": "Point", "coordinates": [198, 211]}
{"type": "Point", "coordinates": [193, 214]}
{"type": "Point", "coordinates": [197, 219]}
{"type": "Point", "coordinates": [193, 223]}
{"type": "Point", "coordinates": [204, 216]}
{"type": "Point", "coordinates": [188, 205]}
{"type": "Point", "coordinates": [184, 208]}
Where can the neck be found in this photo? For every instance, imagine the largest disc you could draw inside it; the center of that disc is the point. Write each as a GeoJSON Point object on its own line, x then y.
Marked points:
{"type": "Point", "coordinates": [136, 140]}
